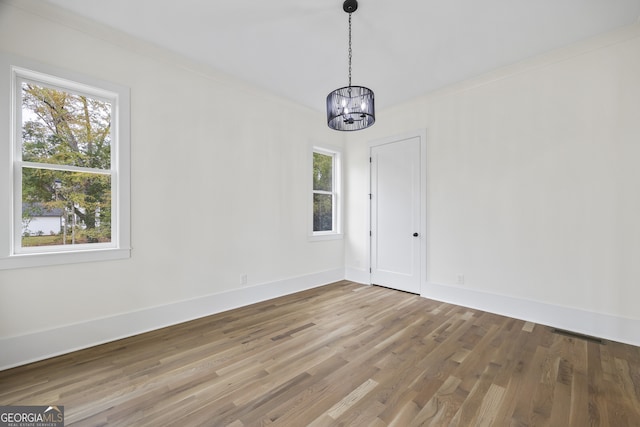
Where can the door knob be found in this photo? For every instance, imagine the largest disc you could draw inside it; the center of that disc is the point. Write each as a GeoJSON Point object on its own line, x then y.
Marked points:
{"type": "Point", "coordinates": [415, 234]}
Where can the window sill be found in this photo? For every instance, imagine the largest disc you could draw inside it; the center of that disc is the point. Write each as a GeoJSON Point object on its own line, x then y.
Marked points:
{"type": "Point", "coordinates": [60, 258]}
{"type": "Point", "coordinates": [325, 236]}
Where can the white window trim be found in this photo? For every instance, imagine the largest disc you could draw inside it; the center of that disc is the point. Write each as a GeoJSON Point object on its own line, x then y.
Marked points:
{"type": "Point", "coordinates": [338, 203]}
{"type": "Point", "coordinates": [13, 69]}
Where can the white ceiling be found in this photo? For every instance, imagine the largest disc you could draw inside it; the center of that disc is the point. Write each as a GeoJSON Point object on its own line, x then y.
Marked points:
{"type": "Point", "coordinates": [298, 48]}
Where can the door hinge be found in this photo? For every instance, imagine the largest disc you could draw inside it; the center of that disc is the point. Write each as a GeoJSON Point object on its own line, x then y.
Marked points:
{"type": "Point", "coordinates": [370, 196]}
{"type": "Point", "coordinates": [370, 233]}
{"type": "Point", "coordinates": [370, 160]}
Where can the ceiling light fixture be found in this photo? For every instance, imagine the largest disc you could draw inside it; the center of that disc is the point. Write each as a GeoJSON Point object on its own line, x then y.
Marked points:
{"type": "Point", "coordinates": [351, 107]}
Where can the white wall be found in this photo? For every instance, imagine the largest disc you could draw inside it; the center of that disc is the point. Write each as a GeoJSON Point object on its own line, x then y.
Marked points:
{"type": "Point", "coordinates": [533, 188]}
{"type": "Point", "coordinates": [206, 150]}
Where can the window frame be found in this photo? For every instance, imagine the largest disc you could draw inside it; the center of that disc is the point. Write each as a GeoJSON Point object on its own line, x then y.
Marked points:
{"type": "Point", "coordinates": [15, 70]}
{"type": "Point", "coordinates": [337, 208]}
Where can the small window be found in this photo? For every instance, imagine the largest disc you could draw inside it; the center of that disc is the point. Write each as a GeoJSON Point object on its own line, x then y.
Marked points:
{"type": "Point", "coordinates": [70, 173]}
{"type": "Point", "coordinates": [326, 189]}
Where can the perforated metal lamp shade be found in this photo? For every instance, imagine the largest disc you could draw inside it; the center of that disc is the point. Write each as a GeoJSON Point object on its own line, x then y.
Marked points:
{"type": "Point", "coordinates": [350, 108]}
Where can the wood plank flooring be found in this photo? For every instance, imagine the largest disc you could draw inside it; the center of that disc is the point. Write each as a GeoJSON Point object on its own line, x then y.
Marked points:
{"type": "Point", "coordinates": [341, 355]}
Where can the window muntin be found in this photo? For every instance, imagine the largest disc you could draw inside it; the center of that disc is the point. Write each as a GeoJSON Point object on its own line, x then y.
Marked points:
{"type": "Point", "coordinates": [325, 190]}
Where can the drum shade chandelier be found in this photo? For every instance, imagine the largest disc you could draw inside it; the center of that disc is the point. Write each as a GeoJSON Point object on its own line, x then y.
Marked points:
{"type": "Point", "coordinates": [352, 107]}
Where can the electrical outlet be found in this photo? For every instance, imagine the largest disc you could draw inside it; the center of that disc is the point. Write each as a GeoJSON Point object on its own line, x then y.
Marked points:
{"type": "Point", "coordinates": [243, 279]}
{"type": "Point", "coordinates": [460, 279]}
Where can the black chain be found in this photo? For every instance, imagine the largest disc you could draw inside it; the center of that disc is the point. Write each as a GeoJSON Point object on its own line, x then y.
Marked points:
{"type": "Point", "coordinates": [350, 51]}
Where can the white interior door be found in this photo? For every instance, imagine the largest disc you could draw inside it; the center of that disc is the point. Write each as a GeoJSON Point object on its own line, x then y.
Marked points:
{"type": "Point", "coordinates": [396, 223]}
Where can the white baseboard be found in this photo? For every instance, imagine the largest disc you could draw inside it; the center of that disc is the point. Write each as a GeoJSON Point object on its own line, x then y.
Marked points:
{"type": "Point", "coordinates": [571, 319]}
{"type": "Point", "coordinates": [32, 347]}
{"type": "Point", "coordinates": [23, 349]}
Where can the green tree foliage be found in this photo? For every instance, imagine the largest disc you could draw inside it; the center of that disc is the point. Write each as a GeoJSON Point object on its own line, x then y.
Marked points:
{"type": "Point", "coordinates": [62, 128]}
{"type": "Point", "coordinates": [322, 184]}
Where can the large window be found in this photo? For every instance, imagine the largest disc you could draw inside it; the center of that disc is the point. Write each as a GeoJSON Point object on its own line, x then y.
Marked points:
{"type": "Point", "coordinates": [69, 170]}
{"type": "Point", "coordinates": [326, 191]}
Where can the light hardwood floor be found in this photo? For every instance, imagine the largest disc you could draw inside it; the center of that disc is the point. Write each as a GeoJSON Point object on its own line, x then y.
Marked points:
{"type": "Point", "coordinates": [342, 354]}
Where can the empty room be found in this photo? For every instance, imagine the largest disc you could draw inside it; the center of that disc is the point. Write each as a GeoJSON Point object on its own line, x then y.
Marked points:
{"type": "Point", "coordinates": [320, 213]}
